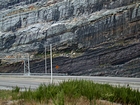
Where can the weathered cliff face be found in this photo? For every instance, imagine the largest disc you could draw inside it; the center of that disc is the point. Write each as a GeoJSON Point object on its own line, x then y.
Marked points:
{"type": "Point", "coordinates": [106, 31]}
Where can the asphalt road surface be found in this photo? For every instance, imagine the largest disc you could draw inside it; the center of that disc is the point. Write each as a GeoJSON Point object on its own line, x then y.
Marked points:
{"type": "Point", "coordinates": [7, 82]}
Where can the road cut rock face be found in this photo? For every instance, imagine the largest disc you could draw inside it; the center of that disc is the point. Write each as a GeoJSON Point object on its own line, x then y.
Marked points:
{"type": "Point", "coordinates": [106, 32]}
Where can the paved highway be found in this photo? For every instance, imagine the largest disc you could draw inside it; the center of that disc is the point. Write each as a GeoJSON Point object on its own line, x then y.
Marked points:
{"type": "Point", "coordinates": [9, 81]}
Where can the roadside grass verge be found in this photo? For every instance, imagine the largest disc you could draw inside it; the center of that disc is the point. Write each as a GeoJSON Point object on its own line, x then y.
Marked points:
{"type": "Point", "coordinates": [5, 94]}
{"type": "Point", "coordinates": [73, 91]}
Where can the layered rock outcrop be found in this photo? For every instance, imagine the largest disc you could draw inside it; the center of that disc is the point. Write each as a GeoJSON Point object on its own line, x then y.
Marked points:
{"type": "Point", "coordinates": [107, 32]}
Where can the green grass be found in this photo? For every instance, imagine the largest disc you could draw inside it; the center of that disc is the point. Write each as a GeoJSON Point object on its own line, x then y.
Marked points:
{"type": "Point", "coordinates": [75, 89]}
{"type": "Point", "coordinates": [5, 94]}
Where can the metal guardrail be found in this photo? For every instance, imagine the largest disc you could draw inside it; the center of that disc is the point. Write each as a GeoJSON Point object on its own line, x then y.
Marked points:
{"type": "Point", "coordinates": [35, 74]}
{"type": "Point", "coordinates": [11, 73]}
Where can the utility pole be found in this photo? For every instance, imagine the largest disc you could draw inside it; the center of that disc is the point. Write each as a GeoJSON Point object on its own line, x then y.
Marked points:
{"type": "Point", "coordinates": [24, 66]}
{"type": "Point", "coordinates": [51, 63]}
{"type": "Point", "coordinates": [28, 64]}
{"type": "Point", "coordinates": [44, 45]}
{"type": "Point", "coordinates": [45, 60]}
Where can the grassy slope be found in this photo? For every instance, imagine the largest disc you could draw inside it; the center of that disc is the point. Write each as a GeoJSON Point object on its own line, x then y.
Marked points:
{"type": "Point", "coordinates": [73, 93]}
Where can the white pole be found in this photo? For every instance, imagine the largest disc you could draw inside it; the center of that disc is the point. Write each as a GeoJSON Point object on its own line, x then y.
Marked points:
{"type": "Point", "coordinates": [28, 64]}
{"type": "Point", "coordinates": [51, 63]}
{"type": "Point", "coordinates": [45, 61]}
{"type": "Point", "coordinates": [24, 66]}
